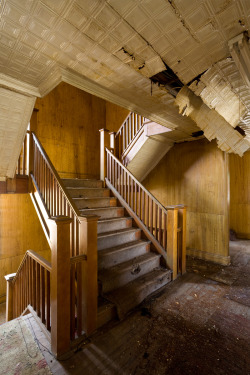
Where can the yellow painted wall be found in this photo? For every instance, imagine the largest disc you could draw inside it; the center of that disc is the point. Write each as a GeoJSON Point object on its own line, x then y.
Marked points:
{"type": "Point", "coordinates": [20, 230]}
{"type": "Point", "coordinates": [195, 174]}
{"type": "Point", "coordinates": [240, 194]}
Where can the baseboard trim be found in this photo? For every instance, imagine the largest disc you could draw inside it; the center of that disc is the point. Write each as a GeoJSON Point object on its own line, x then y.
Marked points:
{"type": "Point", "coordinates": [212, 257]}
{"type": "Point", "coordinates": [243, 236]}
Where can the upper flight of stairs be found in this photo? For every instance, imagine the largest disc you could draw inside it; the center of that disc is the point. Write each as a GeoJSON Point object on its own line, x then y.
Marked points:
{"type": "Point", "coordinates": [128, 271]}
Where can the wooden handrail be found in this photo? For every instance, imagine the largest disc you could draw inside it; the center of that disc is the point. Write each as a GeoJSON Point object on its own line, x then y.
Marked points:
{"type": "Point", "coordinates": [138, 183]}
{"type": "Point", "coordinates": [56, 175]}
{"type": "Point", "coordinates": [38, 258]}
{"type": "Point", "coordinates": [164, 226]}
{"type": "Point", "coordinates": [127, 132]}
{"type": "Point", "coordinates": [22, 163]}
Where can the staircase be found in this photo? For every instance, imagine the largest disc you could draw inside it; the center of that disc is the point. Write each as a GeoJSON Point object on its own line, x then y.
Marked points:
{"type": "Point", "coordinates": [128, 271]}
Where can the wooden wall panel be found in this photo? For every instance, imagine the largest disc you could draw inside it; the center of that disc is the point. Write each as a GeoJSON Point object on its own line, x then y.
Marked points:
{"type": "Point", "coordinates": [115, 116]}
{"type": "Point", "coordinates": [20, 230]}
{"type": "Point", "coordinates": [68, 123]}
{"type": "Point", "coordinates": [196, 174]}
{"type": "Point", "coordinates": [240, 194]}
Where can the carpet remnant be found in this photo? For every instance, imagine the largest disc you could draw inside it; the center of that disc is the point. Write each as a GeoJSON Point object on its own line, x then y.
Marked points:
{"type": "Point", "coordinates": [19, 353]}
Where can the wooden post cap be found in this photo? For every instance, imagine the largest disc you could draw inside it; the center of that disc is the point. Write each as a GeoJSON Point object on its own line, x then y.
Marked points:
{"type": "Point", "coordinates": [10, 277]}
{"type": "Point", "coordinates": [103, 130]}
{"type": "Point", "coordinates": [89, 218]}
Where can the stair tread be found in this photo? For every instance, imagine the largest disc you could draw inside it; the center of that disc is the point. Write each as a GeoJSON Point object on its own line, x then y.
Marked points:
{"type": "Point", "coordinates": [101, 208]}
{"type": "Point", "coordinates": [93, 198]}
{"type": "Point", "coordinates": [117, 232]}
{"type": "Point", "coordinates": [85, 188]}
{"type": "Point", "coordinates": [122, 247]}
{"type": "Point", "coordinates": [115, 219]}
{"type": "Point", "coordinates": [109, 273]}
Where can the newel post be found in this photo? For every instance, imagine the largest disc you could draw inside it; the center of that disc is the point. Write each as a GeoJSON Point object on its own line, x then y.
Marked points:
{"type": "Point", "coordinates": [172, 223]}
{"type": "Point", "coordinates": [60, 284]}
{"type": "Point", "coordinates": [9, 296]}
{"type": "Point", "coordinates": [88, 247]}
{"type": "Point", "coordinates": [104, 142]}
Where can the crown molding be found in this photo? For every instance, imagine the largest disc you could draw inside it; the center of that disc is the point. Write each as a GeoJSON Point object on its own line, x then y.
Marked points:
{"type": "Point", "coordinates": [18, 86]}
{"type": "Point", "coordinates": [51, 81]}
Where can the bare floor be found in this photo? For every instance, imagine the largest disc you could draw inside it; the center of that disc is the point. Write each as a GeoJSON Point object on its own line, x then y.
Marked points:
{"type": "Point", "coordinates": [200, 324]}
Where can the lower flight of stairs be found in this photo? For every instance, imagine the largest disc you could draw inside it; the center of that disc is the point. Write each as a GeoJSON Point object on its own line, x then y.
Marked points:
{"type": "Point", "coordinates": [128, 271]}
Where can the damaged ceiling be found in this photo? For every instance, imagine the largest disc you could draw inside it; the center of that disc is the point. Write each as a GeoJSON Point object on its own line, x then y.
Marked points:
{"type": "Point", "coordinates": [145, 55]}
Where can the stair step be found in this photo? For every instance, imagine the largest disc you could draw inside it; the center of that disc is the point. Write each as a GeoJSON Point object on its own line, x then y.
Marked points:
{"type": "Point", "coordinates": [85, 192]}
{"type": "Point", "coordinates": [104, 213]}
{"type": "Point", "coordinates": [115, 255]}
{"type": "Point", "coordinates": [79, 182]}
{"type": "Point", "coordinates": [114, 223]}
{"type": "Point", "coordinates": [106, 312]}
{"type": "Point", "coordinates": [83, 203]}
{"type": "Point", "coordinates": [123, 273]}
{"type": "Point", "coordinates": [131, 295]}
{"type": "Point", "coordinates": [115, 238]}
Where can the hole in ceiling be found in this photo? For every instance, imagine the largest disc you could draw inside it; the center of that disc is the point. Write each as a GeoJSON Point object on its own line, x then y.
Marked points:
{"type": "Point", "coordinates": [240, 130]}
{"type": "Point", "coordinates": [169, 80]}
{"type": "Point", "coordinates": [198, 133]}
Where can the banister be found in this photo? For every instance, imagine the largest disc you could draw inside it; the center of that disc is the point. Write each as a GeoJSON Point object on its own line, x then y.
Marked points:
{"type": "Point", "coordinates": [138, 183]}
{"type": "Point", "coordinates": [38, 258]}
{"type": "Point", "coordinates": [122, 125]}
{"type": "Point", "coordinates": [56, 175]}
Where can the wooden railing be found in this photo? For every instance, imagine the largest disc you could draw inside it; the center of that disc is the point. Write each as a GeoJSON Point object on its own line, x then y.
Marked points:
{"type": "Point", "coordinates": [23, 162]}
{"type": "Point", "coordinates": [73, 270]}
{"type": "Point", "coordinates": [54, 196]}
{"type": "Point", "coordinates": [30, 288]}
{"type": "Point", "coordinates": [161, 225]}
{"type": "Point", "coordinates": [127, 132]}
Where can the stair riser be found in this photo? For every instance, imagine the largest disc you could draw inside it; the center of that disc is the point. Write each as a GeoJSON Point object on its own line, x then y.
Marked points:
{"type": "Point", "coordinates": [116, 225]}
{"type": "Point", "coordinates": [88, 193]}
{"type": "Point", "coordinates": [130, 275]}
{"type": "Point", "coordinates": [148, 290]}
{"type": "Point", "coordinates": [105, 214]}
{"type": "Point", "coordinates": [110, 260]}
{"type": "Point", "coordinates": [95, 202]}
{"type": "Point", "coordinates": [83, 183]}
{"type": "Point", "coordinates": [117, 239]}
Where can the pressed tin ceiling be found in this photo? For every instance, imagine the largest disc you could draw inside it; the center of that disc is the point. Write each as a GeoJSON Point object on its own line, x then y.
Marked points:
{"type": "Point", "coordinates": [112, 48]}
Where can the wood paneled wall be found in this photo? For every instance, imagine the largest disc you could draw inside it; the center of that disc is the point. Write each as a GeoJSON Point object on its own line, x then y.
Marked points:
{"type": "Point", "coordinates": [20, 230]}
{"type": "Point", "coordinates": [240, 194]}
{"type": "Point", "coordinates": [68, 123]}
{"type": "Point", "coordinates": [115, 116]}
{"type": "Point", "coordinates": [196, 174]}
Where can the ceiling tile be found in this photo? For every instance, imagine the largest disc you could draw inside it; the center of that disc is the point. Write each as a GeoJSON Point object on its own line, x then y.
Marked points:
{"type": "Point", "coordinates": [198, 18]}
{"type": "Point", "coordinates": [44, 14]}
{"type": "Point", "coordinates": [153, 7]}
{"type": "Point", "coordinates": [94, 31]}
{"type": "Point", "coordinates": [58, 6]}
{"type": "Point", "coordinates": [121, 6]}
{"type": "Point", "coordinates": [76, 16]}
{"type": "Point", "coordinates": [107, 17]}
{"type": "Point", "coordinates": [137, 18]}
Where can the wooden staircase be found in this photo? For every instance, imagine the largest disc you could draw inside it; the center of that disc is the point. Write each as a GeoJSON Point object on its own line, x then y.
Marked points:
{"type": "Point", "coordinates": [112, 244]}
{"type": "Point", "coordinates": [128, 270]}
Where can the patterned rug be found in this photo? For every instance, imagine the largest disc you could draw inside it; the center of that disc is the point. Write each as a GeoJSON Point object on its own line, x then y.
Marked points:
{"type": "Point", "coordinates": [19, 353]}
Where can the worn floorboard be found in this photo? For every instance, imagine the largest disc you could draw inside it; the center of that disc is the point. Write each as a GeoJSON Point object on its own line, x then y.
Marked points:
{"type": "Point", "coordinates": [200, 324]}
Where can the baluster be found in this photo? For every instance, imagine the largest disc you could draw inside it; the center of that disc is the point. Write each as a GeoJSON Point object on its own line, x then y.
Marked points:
{"type": "Point", "coordinates": [160, 226]}
{"type": "Point", "coordinates": [47, 299]}
{"type": "Point", "coordinates": [156, 221]}
{"type": "Point", "coordinates": [132, 194]}
{"type": "Point", "coordinates": [139, 201]}
{"type": "Point", "coordinates": [164, 230]}
{"type": "Point", "coordinates": [125, 185]}
{"type": "Point", "coordinates": [123, 138]}
{"type": "Point", "coordinates": [33, 284]}
{"type": "Point", "coordinates": [72, 301]}
{"type": "Point", "coordinates": [79, 298]}
{"type": "Point", "coordinates": [143, 206]}
{"type": "Point", "coordinates": [115, 174]}
{"type": "Point", "coordinates": [135, 198]}
{"type": "Point", "coordinates": [147, 212]}
{"type": "Point", "coordinates": [77, 235]}
{"type": "Point", "coordinates": [126, 130]}
{"type": "Point", "coordinates": [119, 179]}
{"type": "Point", "coordinates": [151, 216]}
{"type": "Point", "coordinates": [43, 294]}
{"type": "Point", "coordinates": [38, 288]}
{"type": "Point", "coordinates": [128, 184]}
{"type": "Point", "coordinates": [133, 125]}
{"type": "Point", "coordinates": [122, 182]}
